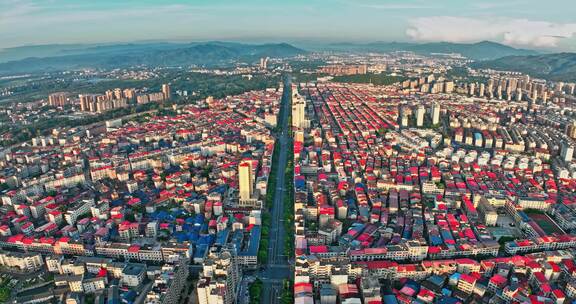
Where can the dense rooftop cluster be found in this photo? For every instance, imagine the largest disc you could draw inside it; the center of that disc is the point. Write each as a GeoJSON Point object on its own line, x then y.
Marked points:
{"type": "Point", "coordinates": [135, 201]}
{"type": "Point", "coordinates": [449, 186]}
{"type": "Point", "coordinates": [433, 192]}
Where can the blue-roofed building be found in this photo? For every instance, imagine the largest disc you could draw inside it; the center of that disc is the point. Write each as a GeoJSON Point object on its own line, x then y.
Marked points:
{"type": "Point", "coordinates": [524, 216]}
{"type": "Point", "coordinates": [389, 299]}
{"type": "Point", "coordinates": [200, 252]}
{"type": "Point", "coordinates": [220, 189]}
{"type": "Point", "coordinates": [446, 235]}
{"type": "Point", "coordinates": [159, 215]}
{"type": "Point", "coordinates": [435, 240]}
{"type": "Point", "coordinates": [406, 234]}
{"type": "Point", "coordinates": [181, 237]}
{"type": "Point", "coordinates": [448, 300]}
{"type": "Point", "coordinates": [454, 278]}
{"type": "Point", "coordinates": [193, 237]}
{"type": "Point", "coordinates": [188, 227]}
{"type": "Point", "coordinates": [116, 203]}
{"type": "Point", "coordinates": [129, 297]}
{"type": "Point", "coordinates": [199, 220]}
{"type": "Point", "coordinates": [300, 183]}
{"type": "Point", "coordinates": [207, 239]}
{"type": "Point", "coordinates": [222, 237]}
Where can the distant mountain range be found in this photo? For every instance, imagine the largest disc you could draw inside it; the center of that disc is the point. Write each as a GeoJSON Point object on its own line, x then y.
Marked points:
{"type": "Point", "coordinates": [484, 50]}
{"type": "Point", "coordinates": [149, 54]}
{"type": "Point", "coordinates": [558, 67]}
{"type": "Point", "coordinates": [30, 59]}
{"type": "Point", "coordinates": [55, 50]}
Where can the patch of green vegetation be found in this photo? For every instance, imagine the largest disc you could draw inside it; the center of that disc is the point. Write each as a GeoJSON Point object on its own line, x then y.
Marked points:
{"type": "Point", "coordinates": [255, 291]}
{"type": "Point", "coordinates": [376, 79]}
{"type": "Point", "coordinates": [533, 211]}
{"type": "Point", "coordinates": [271, 187]}
{"type": "Point", "coordinates": [502, 241]}
{"type": "Point", "coordinates": [89, 298]}
{"type": "Point", "coordinates": [310, 65]}
{"type": "Point", "coordinates": [505, 239]}
{"type": "Point", "coordinates": [166, 112]}
{"type": "Point", "coordinates": [306, 77]}
{"type": "Point", "coordinates": [4, 294]}
{"type": "Point", "coordinates": [440, 185]}
{"type": "Point", "coordinates": [264, 238]}
{"type": "Point", "coordinates": [382, 131]}
{"type": "Point", "coordinates": [49, 276]}
{"type": "Point", "coordinates": [311, 226]}
{"type": "Point", "coordinates": [287, 296]}
{"type": "Point", "coordinates": [462, 74]}
{"type": "Point", "coordinates": [5, 291]}
{"type": "Point", "coordinates": [137, 209]}
{"type": "Point", "coordinates": [130, 217]}
{"type": "Point", "coordinates": [429, 203]}
{"type": "Point", "coordinates": [556, 67]}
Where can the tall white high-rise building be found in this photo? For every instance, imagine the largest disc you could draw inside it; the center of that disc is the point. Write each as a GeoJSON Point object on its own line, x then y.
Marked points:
{"type": "Point", "coordinates": [472, 89]}
{"type": "Point", "coordinates": [166, 91]}
{"type": "Point", "coordinates": [264, 63]}
{"type": "Point", "coordinates": [298, 110]}
{"type": "Point", "coordinates": [245, 180]}
{"type": "Point", "coordinates": [420, 116]}
{"type": "Point", "coordinates": [404, 120]}
{"type": "Point", "coordinates": [435, 113]}
{"type": "Point", "coordinates": [449, 87]}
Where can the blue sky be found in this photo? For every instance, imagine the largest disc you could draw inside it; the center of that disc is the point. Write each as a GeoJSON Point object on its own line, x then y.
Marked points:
{"type": "Point", "coordinates": [523, 23]}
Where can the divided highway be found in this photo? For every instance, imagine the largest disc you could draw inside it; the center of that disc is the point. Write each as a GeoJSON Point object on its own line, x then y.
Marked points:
{"type": "Point", "coordinates": [277, 269]}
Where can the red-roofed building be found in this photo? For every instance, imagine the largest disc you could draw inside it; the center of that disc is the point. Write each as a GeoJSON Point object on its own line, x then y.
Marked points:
{"type": "Point", "coordinates": [466, 283]}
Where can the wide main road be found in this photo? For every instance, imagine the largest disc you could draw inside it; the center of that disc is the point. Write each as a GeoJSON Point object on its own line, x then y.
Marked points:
{"type": "Point", "coordinates": [277, 269]}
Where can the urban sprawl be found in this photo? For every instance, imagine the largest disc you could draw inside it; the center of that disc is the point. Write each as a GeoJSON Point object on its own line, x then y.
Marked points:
{"type": "Point", "coordinates": [433, 189]}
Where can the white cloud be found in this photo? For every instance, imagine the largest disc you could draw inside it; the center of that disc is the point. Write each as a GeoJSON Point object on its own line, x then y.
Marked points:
{"type": "Point", "coordinates": [22, 16]}
{"type": "Point", "coordinates": [497, 5]}
{"type": "Point", "coordinates": [518, 32]}
{"type": "Point", "coordinates": [14, 9]}
{"type": "Point", "coordinates": [390, 5]}
{"type": "Point", "coordinates": [399, 6]}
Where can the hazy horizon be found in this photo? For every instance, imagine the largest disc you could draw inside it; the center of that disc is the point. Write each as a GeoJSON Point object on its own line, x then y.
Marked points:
{"type": "Point", "coordinates": [520, 24]}
{"type": "Point", "coordinates": [255, 41]}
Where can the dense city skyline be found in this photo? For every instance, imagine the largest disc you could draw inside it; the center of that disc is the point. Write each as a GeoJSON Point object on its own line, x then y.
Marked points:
{"type": "Point", "coordinates": [527, 24]}
{"type": "Point", "coordinates": [305, 151]}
